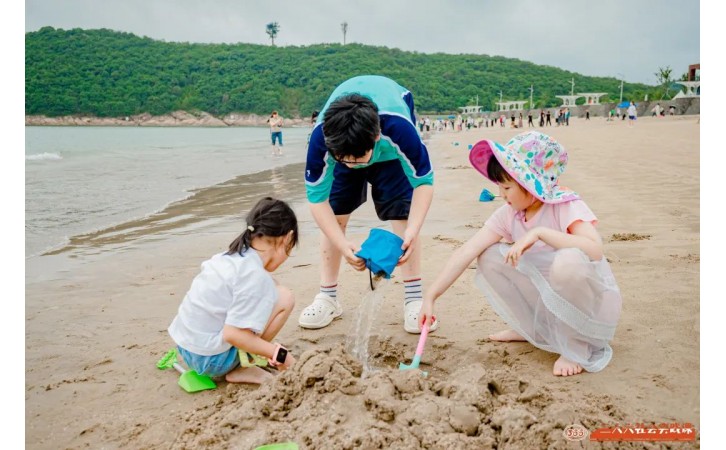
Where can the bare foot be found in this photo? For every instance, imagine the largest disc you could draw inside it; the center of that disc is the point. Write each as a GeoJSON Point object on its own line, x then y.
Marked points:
{"type": "Point", "coordinates": [564, 367]}
{"type": "Point", "coordinates": [251, 375]}
{"type": "Point", "coordinates": [506, 336]}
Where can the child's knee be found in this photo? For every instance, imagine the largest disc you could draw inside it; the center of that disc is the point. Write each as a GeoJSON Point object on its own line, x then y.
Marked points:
{"type": "Point", "coordinates": [567, 265]}
{"type": "Point", "coordinates": [491, 258]}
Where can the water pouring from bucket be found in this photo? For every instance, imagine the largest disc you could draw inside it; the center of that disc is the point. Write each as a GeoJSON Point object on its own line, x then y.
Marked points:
{"type": "Point", "coordinates": [381, 252]}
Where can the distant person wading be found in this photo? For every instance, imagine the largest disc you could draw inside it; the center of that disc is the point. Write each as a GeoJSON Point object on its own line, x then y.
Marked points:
{"type": "Point", "coordinates": [275, 122]}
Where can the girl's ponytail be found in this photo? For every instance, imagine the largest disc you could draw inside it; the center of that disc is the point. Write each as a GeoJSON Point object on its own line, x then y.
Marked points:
{"type": "Point", "coordinates": [269, 217]}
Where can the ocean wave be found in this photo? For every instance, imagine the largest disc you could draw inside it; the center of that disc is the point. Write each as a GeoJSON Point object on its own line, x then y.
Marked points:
{"type": "Point", "coordinates": [43, 156]}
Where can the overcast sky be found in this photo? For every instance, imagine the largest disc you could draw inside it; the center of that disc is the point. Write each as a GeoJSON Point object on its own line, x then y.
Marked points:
{"type": "Point", "coordinates": [632, 38]}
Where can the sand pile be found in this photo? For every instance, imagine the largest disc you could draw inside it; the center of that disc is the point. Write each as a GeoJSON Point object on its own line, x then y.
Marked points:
{"type": "Point", "coordinates": [326, 402]}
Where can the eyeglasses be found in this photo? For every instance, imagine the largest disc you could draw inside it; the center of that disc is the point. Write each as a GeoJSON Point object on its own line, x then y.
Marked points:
{"type": "Point", "coordinates": [363, 160]}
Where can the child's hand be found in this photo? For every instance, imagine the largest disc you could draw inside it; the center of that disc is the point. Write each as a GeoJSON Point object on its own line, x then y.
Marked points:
{"type": "Point", "coordinates": [289, 361]}
{"type": "Point", "coordinates": [521, 246]}
{"type": "Point", "coordinates": [358, 264]}
{"type": "Point", "coordinates": [409, 239]}
{"type": "Point", "coordinates": [426, 314]}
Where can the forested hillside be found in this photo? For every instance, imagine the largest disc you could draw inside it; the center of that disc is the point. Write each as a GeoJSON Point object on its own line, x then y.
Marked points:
{"type": "Point", "coordinates": [106, 73]}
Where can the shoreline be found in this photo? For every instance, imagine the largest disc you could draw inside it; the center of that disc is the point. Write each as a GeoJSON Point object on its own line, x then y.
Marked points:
{"type": "Point", "coordinates": [203, 210]}
{"type": "Point", "coordinates": [174, 119]}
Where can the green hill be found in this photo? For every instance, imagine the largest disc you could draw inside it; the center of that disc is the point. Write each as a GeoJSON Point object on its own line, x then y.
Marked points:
{"type": "Point", "coordinates": [106, 73]}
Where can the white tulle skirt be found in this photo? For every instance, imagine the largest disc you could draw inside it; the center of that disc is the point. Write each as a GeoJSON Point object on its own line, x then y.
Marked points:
{"type": "Point", "coordinates": [560, 301]}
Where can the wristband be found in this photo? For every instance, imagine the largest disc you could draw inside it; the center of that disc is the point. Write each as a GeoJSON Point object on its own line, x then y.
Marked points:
{"type": "Point", "coordinates": [279, 355]}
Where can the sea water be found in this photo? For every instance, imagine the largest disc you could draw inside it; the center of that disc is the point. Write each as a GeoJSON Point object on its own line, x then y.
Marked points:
{"type": "Point", "coordinates": [82, 179]}
{"type": "Point", "coordinates": [359, 338]}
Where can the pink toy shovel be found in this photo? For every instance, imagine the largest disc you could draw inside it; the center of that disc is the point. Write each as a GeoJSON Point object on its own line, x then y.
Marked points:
{"type": "Point", "coordinates": [419, 351]}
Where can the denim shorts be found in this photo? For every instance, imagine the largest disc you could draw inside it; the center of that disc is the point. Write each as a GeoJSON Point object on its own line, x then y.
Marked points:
{"type": "Point", "coordinates": [276, 135]}
{"type": "Point", "coordinates": [212, 366]}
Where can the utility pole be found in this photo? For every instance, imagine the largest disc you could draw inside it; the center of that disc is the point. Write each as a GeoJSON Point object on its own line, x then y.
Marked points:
{"type": "Point", "coordinates": [621, 87]}
{"type": "Point", "coordinates": [572, 91]}
{"type": "Point", "coordinates": [531, 94]}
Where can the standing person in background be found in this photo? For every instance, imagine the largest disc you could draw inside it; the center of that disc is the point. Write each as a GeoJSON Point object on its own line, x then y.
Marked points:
{"type": "Point", "coordinates": [519, 123]}
{"type": "Point", "coordinates": [632, 114]}
{"type": "Point", "coordinates": [529, 119]}
{"type": "Point", "coordinates": [275, 122]}
{"type": "Point", "coordinates": [367, 137]}
{"type": "Point", "coordinates": [548, 122]}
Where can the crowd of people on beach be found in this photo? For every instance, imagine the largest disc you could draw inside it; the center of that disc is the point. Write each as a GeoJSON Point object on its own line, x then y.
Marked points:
{"type": "Point", "coordinates": [515, 119]}
{"type": "Point", "coordinates": [539, 256]}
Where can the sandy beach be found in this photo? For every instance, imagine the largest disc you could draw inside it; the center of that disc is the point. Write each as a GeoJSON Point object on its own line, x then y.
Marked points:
{"type": "Point", "coordinates": [96, 318]}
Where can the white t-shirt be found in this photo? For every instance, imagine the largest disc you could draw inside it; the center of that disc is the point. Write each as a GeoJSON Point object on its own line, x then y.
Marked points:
{"type": "Point", "coordinates": [632, 111]}
{"type": "Point", "coordinates": [231, 289]}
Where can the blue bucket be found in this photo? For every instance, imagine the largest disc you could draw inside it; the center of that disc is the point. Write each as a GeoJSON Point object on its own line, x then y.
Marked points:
{"type": "Point", "coordinates": [381, 252]}
{"type": "Point", "coordinates": [486, 196]}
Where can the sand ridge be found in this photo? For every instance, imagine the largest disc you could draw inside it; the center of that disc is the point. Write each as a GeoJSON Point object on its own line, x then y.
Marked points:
{"type": "Point", "coordinates": [326, 402]}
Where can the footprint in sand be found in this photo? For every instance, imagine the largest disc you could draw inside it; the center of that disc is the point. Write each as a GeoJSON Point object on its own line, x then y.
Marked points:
{"type": "Point", "coordinates": [441, 238]}
{"type": "Point", "coordinates": [687, 258]}
{"type": "Point", "coordinates": [629, 237]}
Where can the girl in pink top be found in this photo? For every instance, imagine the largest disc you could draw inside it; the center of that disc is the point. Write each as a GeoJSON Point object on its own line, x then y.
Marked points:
{"type": "Point", "coordinates": [540, 258]}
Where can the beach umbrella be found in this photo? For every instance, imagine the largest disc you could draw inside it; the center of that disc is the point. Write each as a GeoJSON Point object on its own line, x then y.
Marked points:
{"type": "Point", "coordinates": [624, 104]}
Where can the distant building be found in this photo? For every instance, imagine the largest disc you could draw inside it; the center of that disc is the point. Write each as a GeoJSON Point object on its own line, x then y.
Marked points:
{"type": "Point", "coordinates": [512, 106]}
{"type": "Point", "coordinates": [472, 109]}
{"type": "Point", "coordinates": [694, 72]}
{"type": "Point", "coordinates": [693, 85]}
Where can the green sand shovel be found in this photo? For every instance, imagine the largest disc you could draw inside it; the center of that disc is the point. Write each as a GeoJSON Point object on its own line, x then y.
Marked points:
{"type": "Point", "coordinates": [189, 380]}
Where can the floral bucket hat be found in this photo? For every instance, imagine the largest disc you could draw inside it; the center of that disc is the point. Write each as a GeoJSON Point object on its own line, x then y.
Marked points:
{"type": "Point", "coordinates": [533, 159]}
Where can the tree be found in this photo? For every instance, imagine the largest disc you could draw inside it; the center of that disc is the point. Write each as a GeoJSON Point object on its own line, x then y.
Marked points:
{"type": "Point", "coordinates": [272, 29]}
{"type": "Point", "coordinates": [344, 27]}
{"type": "Point", "coordinates": [664, 78]}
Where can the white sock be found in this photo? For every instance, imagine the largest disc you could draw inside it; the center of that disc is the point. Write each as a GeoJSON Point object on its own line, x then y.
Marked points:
{"type": "Point", "coordinates": [331, 291]}
{"type": "Point", "coordinates": [413, 290]}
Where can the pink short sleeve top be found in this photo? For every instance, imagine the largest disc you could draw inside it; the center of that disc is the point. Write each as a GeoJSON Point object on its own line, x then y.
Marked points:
{"type": "Point", "coordinates": [510, 224]}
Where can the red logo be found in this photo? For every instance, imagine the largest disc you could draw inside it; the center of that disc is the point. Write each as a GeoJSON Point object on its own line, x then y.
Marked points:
{"type": "Point", "coordinates": [575, 432]}
{"type": "Point", "coordinates": [646, 432]}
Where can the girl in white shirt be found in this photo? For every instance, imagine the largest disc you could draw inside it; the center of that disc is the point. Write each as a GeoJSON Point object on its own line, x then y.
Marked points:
{"type": "Point", "coordinates": [234, 307]}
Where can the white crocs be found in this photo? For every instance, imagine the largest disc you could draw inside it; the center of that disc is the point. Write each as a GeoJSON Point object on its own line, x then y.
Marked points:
{"type": "Point", "coordinates": [410, 317]}
{"type": "Point", "coordinates": [321, 312]}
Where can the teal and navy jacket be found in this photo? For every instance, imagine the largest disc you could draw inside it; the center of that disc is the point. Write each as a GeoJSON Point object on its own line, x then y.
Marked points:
{"type": "Point", "coordinates": [399, 136]}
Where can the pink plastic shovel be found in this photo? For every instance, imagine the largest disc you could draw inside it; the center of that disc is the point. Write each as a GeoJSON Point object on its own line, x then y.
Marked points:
{"type": "Point", "coordinates": [419, 351]}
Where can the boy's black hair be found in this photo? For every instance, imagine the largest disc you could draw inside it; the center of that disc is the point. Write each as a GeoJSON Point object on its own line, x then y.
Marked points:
{"type": "Point", "coordinates": [351, 126]}
{"type": "Point", "coordinates": [269, 217]}
{"type": "Point", "coordinates": [496, 172]}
